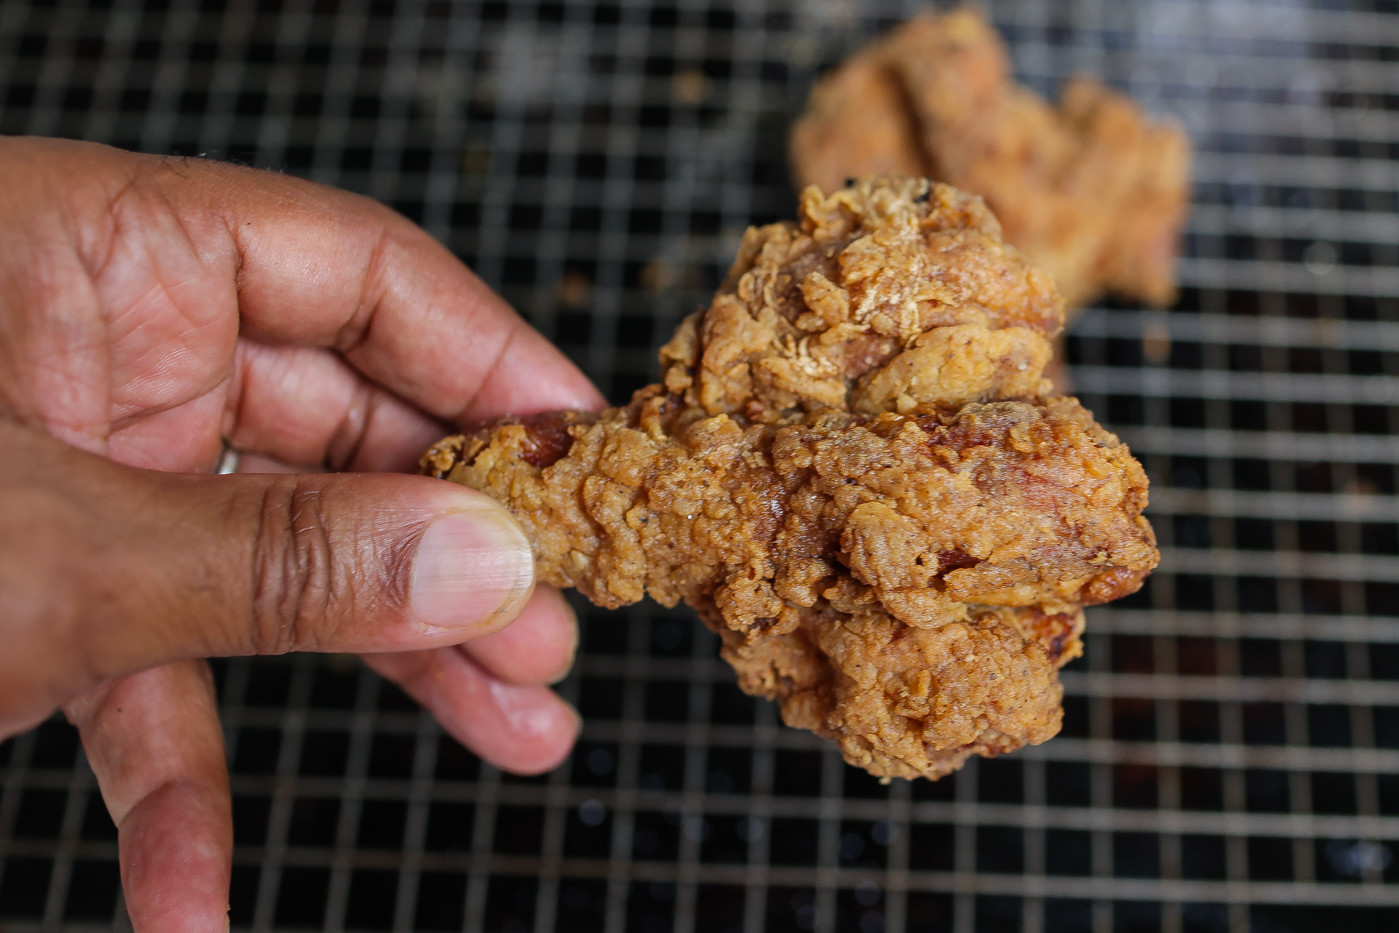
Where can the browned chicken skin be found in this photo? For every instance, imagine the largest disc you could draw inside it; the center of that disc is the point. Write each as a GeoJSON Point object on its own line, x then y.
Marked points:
{"type": "Point", "coordinates": [852, 470]}
{"type": "Point", "coordinates": [1089, 190]}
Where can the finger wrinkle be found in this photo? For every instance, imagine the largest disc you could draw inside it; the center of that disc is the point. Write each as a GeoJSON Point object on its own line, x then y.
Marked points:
{"type": "Point", "coordinates": [124, 415]}
{"type": "Point", "coordinates": [229, 218]}
{"type": "Point", "coordinates": [265, 639]}
{"type": "Point", "coordinates": [160, 295]}
{"type": "Point", "coordinates": [252, 373]}
{"type": "Point", "coordinates": [98, 243]}
{"type": "Point", "coordinates": [488, 377]}
{"type": "Point", "coordinates": [352, 428]}
{"type": "Point", "coordinates": [235, 396]}
{"type": "Point", "coordinates": [200, 789]}
{"type": "Point", "coordinates": [135, 185]}
{"type": "Point", "coordinates": [310, 554]}
{"type": "Point", "coordinates": [150, 732]}
{"type": "Point", "coordinates": [145, 441]}
{"type": "Point", "coordinates": [283, 566]}
{"type": "Point", "coordinates": [395, 569]}
{"type": "Point", "coordinates": [165, 290]}
{"type": "Point", "coordinates": [141, 198]}
{"type": "Point", "coordinates": [146, 184]}
{"type": "Point", "coordinates": [354, 333]}
{"type": "Point", "coordinates": [306, 406]}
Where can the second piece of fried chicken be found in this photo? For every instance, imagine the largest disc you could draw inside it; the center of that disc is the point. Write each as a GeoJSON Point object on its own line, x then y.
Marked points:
{"type": "Point", "coordinates": [1089, 189]}
{"type": "Point", "coordinates": [852, 471]}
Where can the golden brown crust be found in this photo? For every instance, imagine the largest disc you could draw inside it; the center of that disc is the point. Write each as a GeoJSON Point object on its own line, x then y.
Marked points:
{"type": "Point", "coordinates": [1090, 190]}
{"type": "Point", "coordinates": [852, 473]}
{"type": "Point", "coordinates": [871, 271]}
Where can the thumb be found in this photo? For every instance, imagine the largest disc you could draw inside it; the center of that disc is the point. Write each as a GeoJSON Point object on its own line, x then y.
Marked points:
{"type": "Point", "coordinates": [106, 570]}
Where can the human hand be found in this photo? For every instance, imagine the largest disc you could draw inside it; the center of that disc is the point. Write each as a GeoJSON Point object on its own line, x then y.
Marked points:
{"type": "Point", "coordinates": [150, 307]}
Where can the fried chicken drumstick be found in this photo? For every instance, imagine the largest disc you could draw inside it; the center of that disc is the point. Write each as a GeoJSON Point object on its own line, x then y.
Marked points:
{"type": "Point", "coordinates": [852, 471]}
{"type": "Point", "coordinates": [1089, 189]}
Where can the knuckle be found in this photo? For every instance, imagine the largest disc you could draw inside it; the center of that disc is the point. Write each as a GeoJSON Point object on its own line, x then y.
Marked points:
{"type": "Point", "coordinates": [293, 569]}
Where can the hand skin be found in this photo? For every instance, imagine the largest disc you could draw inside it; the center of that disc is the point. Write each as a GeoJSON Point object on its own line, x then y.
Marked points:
{"type": "Point", "coordinates": [151, 306]}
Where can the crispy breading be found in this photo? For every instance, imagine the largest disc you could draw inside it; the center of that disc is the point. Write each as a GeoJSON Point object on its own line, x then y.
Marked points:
{"type": "Point", "coordinates": [1089, 189]}
{"type": "Point", "coordinates": [853, 471]}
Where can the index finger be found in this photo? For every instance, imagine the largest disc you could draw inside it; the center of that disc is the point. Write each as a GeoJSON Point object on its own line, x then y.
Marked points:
{"type": "Point", "coordinates": [320, 267]}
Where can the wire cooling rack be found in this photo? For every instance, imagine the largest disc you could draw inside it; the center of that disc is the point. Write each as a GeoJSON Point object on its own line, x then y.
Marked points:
{"type": "Point", "coordinates": [1230, 753]}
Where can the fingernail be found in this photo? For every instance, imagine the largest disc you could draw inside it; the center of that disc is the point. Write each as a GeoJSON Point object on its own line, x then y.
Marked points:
{"type": "Point", "coordinates": [472, 570]}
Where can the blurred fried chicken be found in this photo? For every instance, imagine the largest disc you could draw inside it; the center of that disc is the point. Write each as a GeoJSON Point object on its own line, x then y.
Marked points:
{"type": "Point", "coordinates": [1089, 190]}
{"type": "Point", "coordinates": [852, 470]}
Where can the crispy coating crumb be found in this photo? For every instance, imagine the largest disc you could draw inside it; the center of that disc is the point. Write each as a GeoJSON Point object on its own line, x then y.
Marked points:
{"type": "Point", "coordinates": [1091, 191]}
{"type": "Point", "coordinates": [853, 471]}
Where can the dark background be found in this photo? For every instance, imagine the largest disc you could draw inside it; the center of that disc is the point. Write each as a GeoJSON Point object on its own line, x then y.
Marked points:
{"type": "Point", "coordinates": [1230, 754]}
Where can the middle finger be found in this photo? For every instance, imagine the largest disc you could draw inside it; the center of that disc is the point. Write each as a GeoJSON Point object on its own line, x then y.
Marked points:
{"type": "Point", "coordinates": [537, 648]}
{"type": "Point", "coordinates": [304, 405]}
{"type": "Point", "coordinates": [522, 729]}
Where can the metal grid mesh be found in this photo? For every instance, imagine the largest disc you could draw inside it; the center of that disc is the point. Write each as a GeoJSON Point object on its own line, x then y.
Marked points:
{"type": "Point", "coordinates": [1230, 756]}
